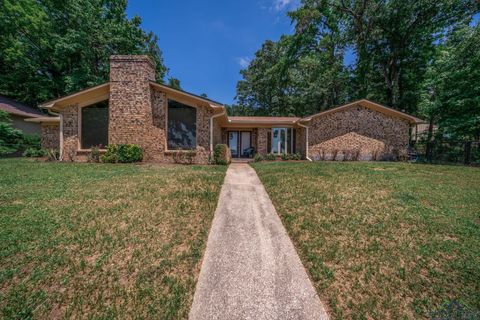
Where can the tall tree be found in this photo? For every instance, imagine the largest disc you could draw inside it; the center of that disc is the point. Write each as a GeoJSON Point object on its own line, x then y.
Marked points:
{"type": "Point", "coordinates": [452, 86]}
{"type": "Point", "coordinates": [393, 42]}
{"type": "Point", "coordinates": [49, 48]}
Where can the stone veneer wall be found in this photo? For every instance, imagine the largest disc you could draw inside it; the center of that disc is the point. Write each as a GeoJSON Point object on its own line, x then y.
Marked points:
{"type": "Point", "coordinates": [300, 141]}
{"type": "Point", "coordinates": [392, 131]}
{"type": "Point", "coordinates": [262, 141]}
{"type": "Point", "coordinates": [71, 141]}
{"type": "Point", "coordinates": [50, 136]}
{"type": "Point", "coordinates": [130, 105]}
{"type": "Point", "coordinates": [217, 132]}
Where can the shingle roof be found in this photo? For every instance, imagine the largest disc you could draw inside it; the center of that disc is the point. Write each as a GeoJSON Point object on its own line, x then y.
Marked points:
{"type": "Point", "coordinates": [263, 119]}
{"type": "Point", "coordinates": [19, 109]}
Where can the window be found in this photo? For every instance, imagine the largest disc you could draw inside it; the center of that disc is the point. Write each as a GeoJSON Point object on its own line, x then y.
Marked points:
{"type": "Point", "coordinates": [95, 125]}
{"type": "Point", "coordinates": [182, 126]}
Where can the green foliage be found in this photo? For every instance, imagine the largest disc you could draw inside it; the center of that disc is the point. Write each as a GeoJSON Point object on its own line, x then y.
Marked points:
{"type": "Point", "coordinates": [270, 157]}
{"type": "Point", "coordinates": [10, 138]}
{"type": "Point", "coordinates": [452, 93]}
{"type": "Point", "coordinates": [34, 153]}
{"type": "Point", "coordinates": [13, 140]}
{"type": "Point", "coordinates": [122, 153]}
{"type": "Point", "coordinates": [291, 156]}
{"type": "Point", "coordinates": [393, 42]}
{"type": "Point", "coordinates": [174, 83]}
{"type": "Point", "coordinates": [221, 154]}
{"type": "Point", "coordinates": [52, 48]}
{"type": "Point", "coordinates": [94, 155]}
{"type": "Point", "coordinates": [258, 157]}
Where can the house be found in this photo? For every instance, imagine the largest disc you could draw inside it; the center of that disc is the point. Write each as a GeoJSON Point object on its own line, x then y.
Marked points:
{"type": "Point", "coordinates": [19, 112]}
{"type": "Point", "coordinates": [133, 108]}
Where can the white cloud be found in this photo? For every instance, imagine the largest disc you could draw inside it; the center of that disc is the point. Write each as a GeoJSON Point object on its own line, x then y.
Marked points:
{"type": "Point", "coordinates": [279, 5]}
{"type": "Point", "coordinates": [244, 62]}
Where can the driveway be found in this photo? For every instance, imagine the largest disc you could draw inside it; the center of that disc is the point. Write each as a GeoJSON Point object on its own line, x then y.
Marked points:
{"type": "Point", "coordinates": [251, 269]}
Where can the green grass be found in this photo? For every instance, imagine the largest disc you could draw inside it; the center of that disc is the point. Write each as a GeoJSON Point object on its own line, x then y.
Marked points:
{"type": "Point", "coordinates": [383, 240]}
{"type": "Point", "coordinates": [102, 241]}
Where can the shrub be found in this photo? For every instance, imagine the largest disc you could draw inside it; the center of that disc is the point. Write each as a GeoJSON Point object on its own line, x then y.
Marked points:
{"type": "Point", "coordinates": [270, 157]}
{"type": "Point", "coordinates": [33, 153]}
{"type": "Point", "coordinates": [10, 138]}
{"type": "Point", "coordinates": [258, 157]}
{"type": "Point", "coordinates": [285, 157]}
{"type": "Point", "coordinates": [123, 153]}
{"type": "Point", "coordinates": [94, 155]}
{"type": "Point", "coordinates": [221, 154]}
{"type": "Point", "coordinates": [296, 156]}
{"type": "Point", "coordinates": [52, 154]}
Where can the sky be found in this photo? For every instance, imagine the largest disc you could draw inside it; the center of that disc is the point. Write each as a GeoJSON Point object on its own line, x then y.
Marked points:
{"type": "Point", "coordinates": [206, 43]}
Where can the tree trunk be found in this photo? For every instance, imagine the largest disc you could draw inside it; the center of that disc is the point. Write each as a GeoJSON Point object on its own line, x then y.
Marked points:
{"type": "Point", "coordinates": [429, 148]}
{"type": "Point", "coordinates": [467, 153]}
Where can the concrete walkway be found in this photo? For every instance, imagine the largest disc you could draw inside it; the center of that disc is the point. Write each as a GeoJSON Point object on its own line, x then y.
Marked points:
{"type": "Point", "coordinates": [250, 269]}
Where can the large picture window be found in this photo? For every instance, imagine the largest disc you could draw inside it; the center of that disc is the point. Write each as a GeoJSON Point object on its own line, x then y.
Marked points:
{"type": "Point", "coordinates": [182, 126]}
{"type": "Point", "coordinates": [95, 125]}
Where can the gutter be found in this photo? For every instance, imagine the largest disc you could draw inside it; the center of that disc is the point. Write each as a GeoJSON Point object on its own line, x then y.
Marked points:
{"type": "Point", "coordinates": [211, 126]}
{"type": "Point", "coordinates": [306, 140]}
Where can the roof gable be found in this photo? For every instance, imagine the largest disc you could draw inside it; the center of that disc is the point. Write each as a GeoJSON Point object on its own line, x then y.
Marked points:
{"type": "Point", "coordinates": [370, 105]}
{"type": "Point", "coordinates": [19, 109]}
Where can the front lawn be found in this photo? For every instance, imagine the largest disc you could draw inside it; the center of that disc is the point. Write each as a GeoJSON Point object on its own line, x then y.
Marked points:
{"type": "Point", "coordinates": [383, 240]}
{"type": "Point", "coordinates": [102, 241]}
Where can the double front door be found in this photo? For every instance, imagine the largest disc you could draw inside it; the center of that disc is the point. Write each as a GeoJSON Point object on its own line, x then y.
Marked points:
{"type": "Point", "coordinates": [239, 143]}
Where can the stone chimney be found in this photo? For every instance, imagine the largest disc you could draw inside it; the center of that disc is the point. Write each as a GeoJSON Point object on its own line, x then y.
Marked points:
{"type": "Point", "coordinates": [130, 106]}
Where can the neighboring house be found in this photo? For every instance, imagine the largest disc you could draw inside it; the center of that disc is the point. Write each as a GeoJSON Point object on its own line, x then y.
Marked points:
{"type": "Point", "coordinates": [19, 112]}
{"type": "Point", "coordinates": [133, 108]}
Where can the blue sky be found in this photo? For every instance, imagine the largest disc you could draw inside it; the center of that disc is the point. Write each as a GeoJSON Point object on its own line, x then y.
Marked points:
{"type": "Point", "coordinates": [206, 43]}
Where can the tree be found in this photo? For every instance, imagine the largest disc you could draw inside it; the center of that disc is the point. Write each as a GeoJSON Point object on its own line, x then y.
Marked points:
{"type": "Point", "coordinates": [393, 42]}
{"type": "Point", "coordinates": [10, 138]}
{"type": "Point", "coordinates": [174, 83]}
{"type": "Point", "coordinates": [451, 96]}
{"type": "Point", "coordinates": [49, 48]}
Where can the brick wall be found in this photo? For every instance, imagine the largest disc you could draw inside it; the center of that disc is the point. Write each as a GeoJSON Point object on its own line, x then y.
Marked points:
{"type": "Point", "coordinates": [392, 132]}
{"type": "Point", "coordinates": [50, 136]}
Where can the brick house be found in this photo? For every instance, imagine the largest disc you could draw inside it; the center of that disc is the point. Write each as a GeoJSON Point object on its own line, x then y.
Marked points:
{"type": "Point", "coordinates": [133, 108]}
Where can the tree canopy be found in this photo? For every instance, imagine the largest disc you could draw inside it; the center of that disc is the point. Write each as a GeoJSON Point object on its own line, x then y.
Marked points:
{"type": "Point", "coordinates": [393, 43]}
{"type": "Point", "coordinates": [49, 48]}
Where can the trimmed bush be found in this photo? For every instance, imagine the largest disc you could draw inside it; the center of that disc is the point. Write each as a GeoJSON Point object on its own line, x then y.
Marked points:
{"type": "Point", "coordinates": [258, 157]}
{"type": "Point", "coordinates": [221, 154]}
{"type": "Point", "coordinates": [123, 153]}
{"type": "Point", "coordinates": [94, 155]}
{"type": "Point", "coordinates": [34, 153]}
{"type": "Point", "coordinates": [270, 157]}
{"type": "Point", "coordinates": [296, 156]}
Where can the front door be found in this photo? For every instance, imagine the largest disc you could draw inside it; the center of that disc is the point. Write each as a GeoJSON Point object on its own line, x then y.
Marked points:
{"type": "Point", "coordinates": [239, 142]}
{"type": "Point", "coordinates": [279, 140]}
{"type": "Point", "coordinates": [245, 143]}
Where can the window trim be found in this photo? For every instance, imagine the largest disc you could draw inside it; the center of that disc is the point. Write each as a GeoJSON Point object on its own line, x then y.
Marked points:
{"type": "Point", "coordinates": [79, 121]}
{"type": "Point", "coordinates": [188, 104]}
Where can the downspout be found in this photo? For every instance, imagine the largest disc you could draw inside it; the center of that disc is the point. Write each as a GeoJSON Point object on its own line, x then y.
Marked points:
{"type": "Point", "coordinates": [211, 127]}
{"type": "Point", "coordinates": [306, 141]}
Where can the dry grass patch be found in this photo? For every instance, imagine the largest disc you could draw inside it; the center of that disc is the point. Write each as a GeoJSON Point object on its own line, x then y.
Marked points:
{"type": "Point", "coordinates": [383, 240]}
{"type": "Point", "coordinates": [102, 241]}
